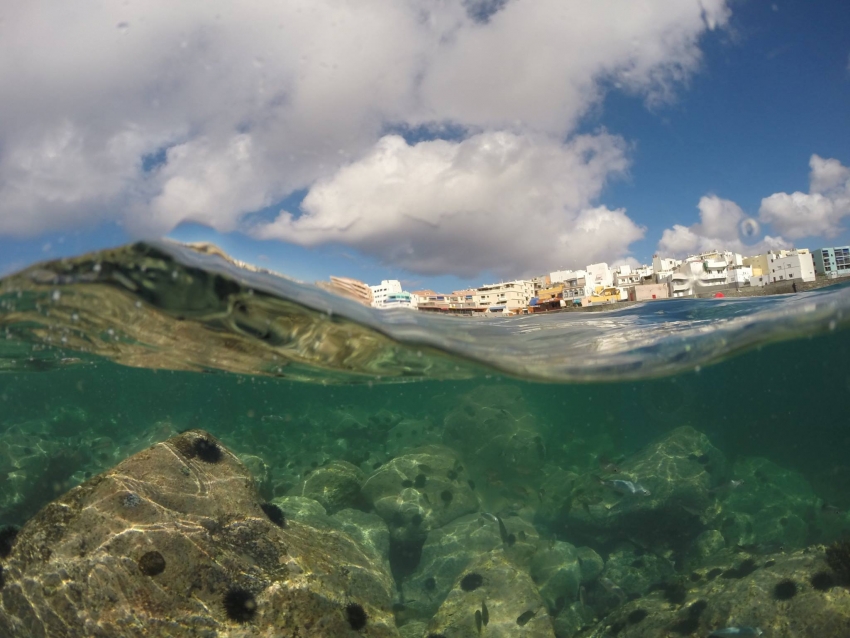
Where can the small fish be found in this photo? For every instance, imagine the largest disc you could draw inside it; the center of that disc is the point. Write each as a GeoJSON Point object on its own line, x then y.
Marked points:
{"type": "Point", "coordinates": [541, 493]}
{"type": "Point", "coordinates": [829, 510]}
{"type": "Point", "coordinates": [732, 485]}
{"type": "Point", "coordinates": [478, 620]}
{"type": "Point", "coordinates": [503, 531]}
{"type": "Point", "coordinates": [735, 631]}
{"type": "Point", "coordinates": [524, 617]}
{"type": "Point", "coordinates": [615, 589]}
{"type": "Point", "coordinates": [582, 595]}
{"type": "Point", "coordinates": [485, 613]}
{"type": "Point", "coordinates": [625, 487]}
{"type": "Point", "coordinates": [607, 466]}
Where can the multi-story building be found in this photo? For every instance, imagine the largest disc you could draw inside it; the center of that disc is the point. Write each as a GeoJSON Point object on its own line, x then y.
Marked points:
{"type": "Point", "coordinates": [599, 275]}
{"type": "Point", "coordinates": [540, 282]}
{"type": "Point", "coordinates": [387, 287]}
{"type": "Point", "coordinates": [662, 267]}
{"type": "Point", "coordinates": [788, 265]}
{"type": "Point", "coordinates": [510, 297]}
{"type": "Point", "coordinates": [460, 302]}
{"type": "Point", "coordinates": [576, 287]}
{"type": "Point", "coordinates": [832, 262]}
{"type": "Point", "coordinates": [347, 287]}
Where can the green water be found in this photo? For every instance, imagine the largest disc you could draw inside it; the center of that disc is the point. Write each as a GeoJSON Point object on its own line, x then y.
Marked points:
{"type": "Point", "coordinates": [786, 402]}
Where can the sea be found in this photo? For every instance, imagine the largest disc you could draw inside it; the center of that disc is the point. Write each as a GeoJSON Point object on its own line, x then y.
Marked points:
{"type": "Point", "coordinates": [549, 419]}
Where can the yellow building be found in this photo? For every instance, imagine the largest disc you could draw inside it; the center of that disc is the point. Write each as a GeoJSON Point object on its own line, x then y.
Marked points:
{"type": "Point", "coordinates": [550, 293]}
{"type": "Point", "coordinates": [602, 295]}
{"type": "Point", "coordinates": [758, 264]}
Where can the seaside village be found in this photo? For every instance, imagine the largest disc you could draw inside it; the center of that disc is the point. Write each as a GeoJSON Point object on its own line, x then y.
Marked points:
{"type": "Point", "coordinates": [709, 274]}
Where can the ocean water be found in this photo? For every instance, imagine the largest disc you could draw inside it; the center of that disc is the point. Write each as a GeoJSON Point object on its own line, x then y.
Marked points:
{"type": "Point", "coordinates": [732, 414]}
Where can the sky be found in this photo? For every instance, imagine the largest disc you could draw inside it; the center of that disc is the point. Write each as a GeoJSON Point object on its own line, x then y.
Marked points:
{"type": "Point", "coordinates": [445, 143]}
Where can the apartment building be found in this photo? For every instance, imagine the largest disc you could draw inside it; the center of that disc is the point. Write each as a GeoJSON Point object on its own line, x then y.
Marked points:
{"type": "Point", "coordinates": [832, 262]}
{"type": "Point", "coordinates": [791, 264]}
{"type": "Point", "coordinates": [381, 292]}
{"type": "Point", "coordinates": [509, 297]}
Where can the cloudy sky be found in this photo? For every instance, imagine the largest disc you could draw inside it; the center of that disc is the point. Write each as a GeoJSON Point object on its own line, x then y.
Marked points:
{"type": "Point", "coordinates": [440, 142]}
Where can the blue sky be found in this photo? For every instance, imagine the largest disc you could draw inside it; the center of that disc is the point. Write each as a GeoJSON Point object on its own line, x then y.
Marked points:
{"type": "Point", "coordinates": [770, 90]}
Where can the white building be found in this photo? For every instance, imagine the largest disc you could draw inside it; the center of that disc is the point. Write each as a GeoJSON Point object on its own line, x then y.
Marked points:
{"type": "Point", "coordinates": [794, 264]}
{"type": "Point", "coordinates": [380, 293]}
{"type": "Point", "coordinates": [697, 274]}
{"type": "Point", "coordinates": [509, 297]}
{"type": "Point", "coordinates": [599, 275]}
{"type": "Point", "coordinates": [739, 276]}
{"type": "Point", "coordinates": [663, 267]}
{"type": "Point", "coordinates": [560, 276]}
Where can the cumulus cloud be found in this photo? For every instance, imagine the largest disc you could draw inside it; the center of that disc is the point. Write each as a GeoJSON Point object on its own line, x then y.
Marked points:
{"type": "Point", "coordinates": [723, 226]}
{"type": "Point", "coordinates": [156, 113]}
{"type": "Point", "coordinates": [495, 200]}
{"type": "Point", "coordinates": [819, 212]}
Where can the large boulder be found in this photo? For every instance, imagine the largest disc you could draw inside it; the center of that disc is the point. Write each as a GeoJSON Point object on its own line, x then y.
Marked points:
{"type": "Point", "coordinates": [449, 550]}
{"type": "Point", "coordinates": [680, 472]}
{"type": "Point", "coordinates": [514, 606]}
{"type": "Point", "coordinates": [420, 491]}
{"type": "Point", "coordinates": [336, 485]}
{"type": "Point", "coordinates": [785, 595]}
{"type": "Point", "coordinates": [772, 508]}
{"type": "Point", "coordinates": [494, 429]}
{"type": "Point", "coordinates": [174, 542]}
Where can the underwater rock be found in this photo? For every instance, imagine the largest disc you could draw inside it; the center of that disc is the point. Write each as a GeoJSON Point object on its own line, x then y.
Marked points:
{"type": "Point", "coordinates": [635, 571]}
{"type": "Point", "coordinates": [415, 629]}
{"type": "Point", "coordinates": [450, 549]}
{"type": "Point", "coordinates": [707, 544]}
{"type": "Point", "coordinates": [571, 619]}
{"type": "Point", "coordinates": [770, 509]}
{"type": "Point", "coordinates": [260, 471]}
{"type": "Point", "coordinates": [369, 530]}
{"type": "Point", "coordinates": [514, 606]}
{"type": "Point", "coordinates": [556, 571]}
{"type": "Point", "coordinates": [493, 428]}
{"type": "Point", "coordinates": [173, 542]}
{"type": "Point", "coordinates": [412, 506]}
{"type": "Point", "coordinates": [775, 595]}
{"type": "Point", "coordinates": [674, 470]}
{"type": "Point", "coordinates": [335, 485]}
{"type": "Point", "coordinates": [408, 434]}
{"type": "Point", "coordinates": [306, 510]}
{"type": "Point", "coordinates": [591, 564]}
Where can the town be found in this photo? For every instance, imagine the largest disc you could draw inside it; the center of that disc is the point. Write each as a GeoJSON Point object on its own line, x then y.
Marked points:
{"type": "Point", "coordinates": [708, 274]}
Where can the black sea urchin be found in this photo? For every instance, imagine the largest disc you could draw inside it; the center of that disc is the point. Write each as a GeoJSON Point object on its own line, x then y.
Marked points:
{"type": "Point", "coordinates": [356, 616]}
{"type": "Point", "coordinates": [240, 604]}
{"type": "Point", "coordinates": [207, 450]}
{"type": "Point", "coordinates": [471, 581]}
{"type": "Point", "coordinates": [274, 513]}
{"type": "Point", "coordinates": [151, 563]}
{"type": "Point", "coordinates": [785, 590]}
{"type": "Point", "coordinates": [822, 581]}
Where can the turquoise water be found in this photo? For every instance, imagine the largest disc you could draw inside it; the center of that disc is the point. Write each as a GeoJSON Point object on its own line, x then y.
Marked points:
{"type": "Point", "coordinates": [110, 354]}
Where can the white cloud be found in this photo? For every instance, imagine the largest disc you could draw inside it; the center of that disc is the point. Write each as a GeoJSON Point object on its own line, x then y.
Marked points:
{"type": "Point", "coordinates": [498, 201]}
{"type": "Point", "coordinates": [720, 228]}
{"type": "Point", "coordinates": [259, 99]}
{"type": "Point", "coordinates": [819, 212]}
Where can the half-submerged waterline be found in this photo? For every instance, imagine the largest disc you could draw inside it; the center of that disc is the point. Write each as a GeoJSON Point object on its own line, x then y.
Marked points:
{"type": "Point", "coordinates": [661, 496]}
{"type": "Point", "coordinates": [165, 306]}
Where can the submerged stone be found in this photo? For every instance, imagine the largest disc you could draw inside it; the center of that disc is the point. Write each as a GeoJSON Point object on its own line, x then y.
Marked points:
{"type": "Point", "coordinates": [199, 531]}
